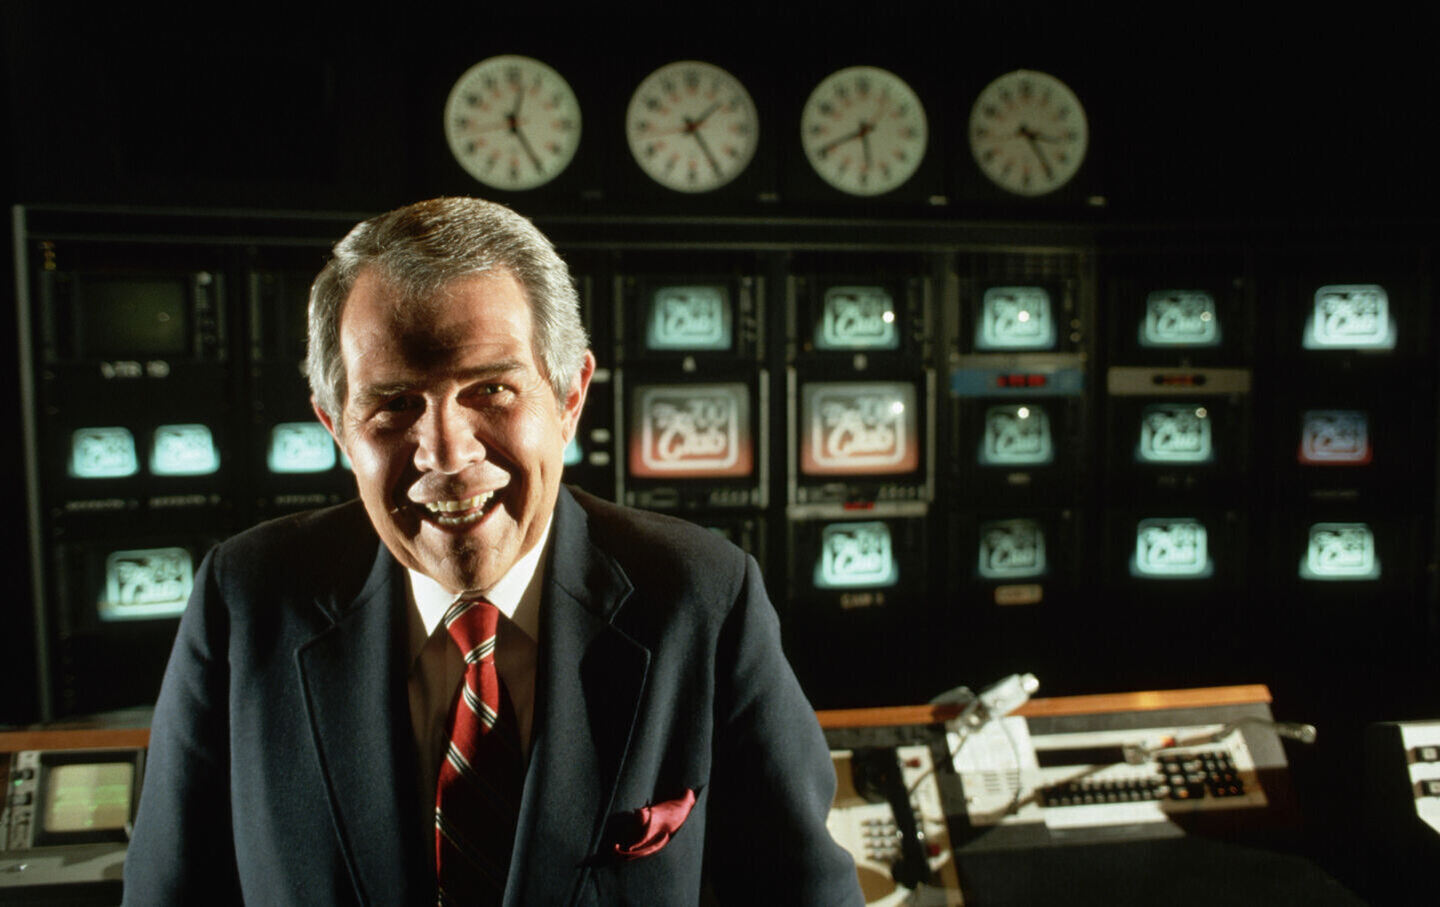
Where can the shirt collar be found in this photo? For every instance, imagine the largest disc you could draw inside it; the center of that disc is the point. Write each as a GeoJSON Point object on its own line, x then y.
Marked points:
{"type": "Point", "coordinates": [517, 595]}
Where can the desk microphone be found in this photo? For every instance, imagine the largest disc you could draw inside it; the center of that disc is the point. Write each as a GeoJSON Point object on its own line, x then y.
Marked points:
{"type": "Point", "coordinates": [995, 701]}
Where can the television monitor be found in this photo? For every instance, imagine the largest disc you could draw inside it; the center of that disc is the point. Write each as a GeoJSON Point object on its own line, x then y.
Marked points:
{"type": "Point", "coordinates": [1011, 550]}
{"type": "Point", "coordinates": [1352, 316]}
{"type": "Point", "coordinates": [693, 444]}
{"type": "Point", "coordinates": [858, 308]}
{"type": "Point", "coordinates": [145, 584]}
{"type": "Point", "coordinates": [183, 449]}
{"type": "Point", "coordinates": [1168, 308]}
{"type": "Point", "coordinates": [132, 317]}
{"type": "Point", "coordinates": [1178, 441]}
{"type": "Point", "coordinates": [857, 318]}
{"type": "Point", "coordinates": [1175, 432]}
{"type": "Point", "coordinates": [1017, 435]}
{"type": "Point", "coordinates": [1018, 428]}
{"type": "Point", "coordinates": [1172, 548]}
{"type": "Point", "coordinates": [109, 314]}
{"type": "Point", "coordinates": [1007, 555]}
{"type": "Point", "coordinates": [1340, 552]}
{"type": "Point", "coordinates": [299, 448]}
{"type": "Point", "coordinates": [859, 428]}
{"type": "Point", "coordinates": [689, 316]}
{"type": "Point", "coordinates": [694, 318]}
{"type": "Point", "coordinates": [78, 796]}
{"type": "Point", "coordinates": [856, 555]}
{"type": "Point", "coordinates": [103, 452]}
{"type": "Point", "coordinates": [1334, 437]}
{"type": "Point", "coordinates": [1180, 319]}
{"type": "Point", "coordinates": [1018, 318]}
{"type": "Point", "coordinates": [856, 560]}
{"type": "Point", "coordinates": [860, 442]}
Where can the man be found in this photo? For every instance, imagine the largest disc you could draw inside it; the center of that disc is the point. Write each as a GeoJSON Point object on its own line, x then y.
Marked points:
{"type": "Point", "coordinates": [306, 713]}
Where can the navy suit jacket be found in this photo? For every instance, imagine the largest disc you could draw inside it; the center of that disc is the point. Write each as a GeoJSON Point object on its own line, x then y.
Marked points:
{"type": "Point", "coordinates": [282, 764]}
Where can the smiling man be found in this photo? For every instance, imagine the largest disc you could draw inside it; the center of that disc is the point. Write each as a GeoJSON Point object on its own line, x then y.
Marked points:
{"type": "Point", "coordinates": [623, 729]}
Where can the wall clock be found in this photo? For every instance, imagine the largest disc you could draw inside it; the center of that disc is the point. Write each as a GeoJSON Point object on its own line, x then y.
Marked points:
{"type": "Point", "coordinates": [512, 122]}
{"type": "Point", "coordinates": [864, 130]}
{"type": "Point", "coordinates": [692, 126]}
{"type": "Point", "coordinates": [1028, 132]}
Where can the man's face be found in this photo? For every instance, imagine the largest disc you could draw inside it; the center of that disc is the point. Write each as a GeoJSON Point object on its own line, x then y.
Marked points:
{"type": "Point", "coordinates": [452, 426]}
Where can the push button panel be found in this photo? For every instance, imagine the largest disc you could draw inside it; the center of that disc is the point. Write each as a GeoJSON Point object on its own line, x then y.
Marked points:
{"type": "Point", "coordinates": [21, 793]}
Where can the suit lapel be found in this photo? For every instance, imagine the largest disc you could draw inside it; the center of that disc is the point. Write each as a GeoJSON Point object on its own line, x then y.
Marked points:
{"type": "Point", "coordinates": [354, 681]}
{"type": "Point", "coordinates": [590, 680]}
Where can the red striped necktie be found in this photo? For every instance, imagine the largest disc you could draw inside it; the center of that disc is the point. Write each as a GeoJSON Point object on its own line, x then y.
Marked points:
{"type": "Point", "coordinates": [482, 774]}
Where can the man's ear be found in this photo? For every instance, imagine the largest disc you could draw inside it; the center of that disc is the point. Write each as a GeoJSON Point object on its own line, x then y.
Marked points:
{"type": "Point", "coordinates": [575, 396]}
{"type": "Point", "coordinates": [326, 421]}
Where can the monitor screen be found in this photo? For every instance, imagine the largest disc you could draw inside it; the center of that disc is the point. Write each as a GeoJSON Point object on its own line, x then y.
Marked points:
{"type": "Point", "coordinates": [1176, 548]}
{"type": "Point", "coordinates": [857, 318]}
{"type": "Point", "coordinates": [1016, 318]}
{"type": "Point", "coordinates": [691, 431]}
{"type": "Point", "coordinates": [82, 797]}
{"type": "Point", "coordinates": [1334, 437]}
{"type": "Point", "coordinates": [574, 453]}
{"type": "Point", "coordinates": [859, 428]}
{"type": "Point", "coordinates": [145, 584]}
{"type": "Point", "coordinates": [1016, 434]}
{"type": "Point", "coordinates": [689, 318]}
{"type": "Point", "coordinates": [1175, 433]}
{"type": "Point", "coordinates": [1012, 550]}
{"type": "Point", "coordinates": [106, 452]}
{"type": "Point", "coordinates": [1182, 319]}
{"type": "Point", "coordinates": [1350, 317]}
{"type": "Point", "coordinates": [1340, 552]}
{"type": "Point", "coordinates": [125, 317]}
{"type": "Point", "coordinates": [300, 447]}
{"type": "Point", "coordinates": [856, 555]}
{"type": "Point", "coordinates": [183, 450]}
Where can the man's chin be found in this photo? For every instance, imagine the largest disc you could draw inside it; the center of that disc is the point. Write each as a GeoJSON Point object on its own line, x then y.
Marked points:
{"type": "Point", "coordinates": [465, 563]}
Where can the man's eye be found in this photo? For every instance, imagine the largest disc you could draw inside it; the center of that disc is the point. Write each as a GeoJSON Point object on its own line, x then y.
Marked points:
{"type": "Point", "coordinates": [398, 405]}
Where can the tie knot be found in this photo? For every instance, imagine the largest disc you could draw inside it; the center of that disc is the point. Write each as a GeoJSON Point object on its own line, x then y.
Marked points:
{"type": "Point", "coordinates": [472, 624]}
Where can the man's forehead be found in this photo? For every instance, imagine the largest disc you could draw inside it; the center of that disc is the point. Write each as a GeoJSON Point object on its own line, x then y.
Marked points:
{"type": "Point", "coordinates": [382, 297]}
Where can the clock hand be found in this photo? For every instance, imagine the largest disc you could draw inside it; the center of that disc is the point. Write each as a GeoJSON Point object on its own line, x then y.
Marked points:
{"type": "Point", "coordinates": [705, 147]}
{"type": "Point", "coordinates": [700, 120]}
{"type": "Point", "coordinates": [834, 143]}
{"type": "Point", "coordinates": [529, 151]}
{"type": "Point", "coordinates": [1031, 137]}
{"type": "Point", "coordinates": [860, 132]}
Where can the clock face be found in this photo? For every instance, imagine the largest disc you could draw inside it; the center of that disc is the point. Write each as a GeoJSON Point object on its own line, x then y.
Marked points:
{"type": "Point", "coordinates": [692, 126]}
{"type": "Point", "coordinates": [1028, 132]}
{"type": "Point", "coordinates": [512, 122]}
{"type": "Point", "coordinates": [864, 130]}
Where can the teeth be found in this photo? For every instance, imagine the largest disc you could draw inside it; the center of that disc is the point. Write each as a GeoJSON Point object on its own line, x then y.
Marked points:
{"type": "Point", "coordinates": [470, 508]}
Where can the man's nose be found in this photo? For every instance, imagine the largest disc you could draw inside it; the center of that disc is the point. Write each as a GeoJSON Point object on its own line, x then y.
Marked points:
{"type": "Point", "coordinates": [447, 439]}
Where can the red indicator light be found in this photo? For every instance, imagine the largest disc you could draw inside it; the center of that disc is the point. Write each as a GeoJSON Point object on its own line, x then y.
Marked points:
{"type": "Point", "coordinates": [858, 505]}
{"type": "Point", "coordinates": [1179, 380]}
{"type": "Point", "coordinates": [1020, 380]}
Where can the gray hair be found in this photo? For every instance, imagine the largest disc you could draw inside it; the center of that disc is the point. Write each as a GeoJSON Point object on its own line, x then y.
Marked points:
{"type": "Point", "coordinates": [422, 248]}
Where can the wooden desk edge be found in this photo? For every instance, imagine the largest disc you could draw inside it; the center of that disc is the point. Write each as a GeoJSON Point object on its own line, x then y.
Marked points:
{"type": "Point", "coordinates": [103, 738]}
{"type": "Point", "coordinates": [1150, 700]}
{"type": "Point", "coordinates": [74, 739]}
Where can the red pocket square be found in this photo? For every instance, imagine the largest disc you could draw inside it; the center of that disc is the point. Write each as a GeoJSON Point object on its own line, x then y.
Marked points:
{"type": "Point", "coordinates": [653, 825]}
